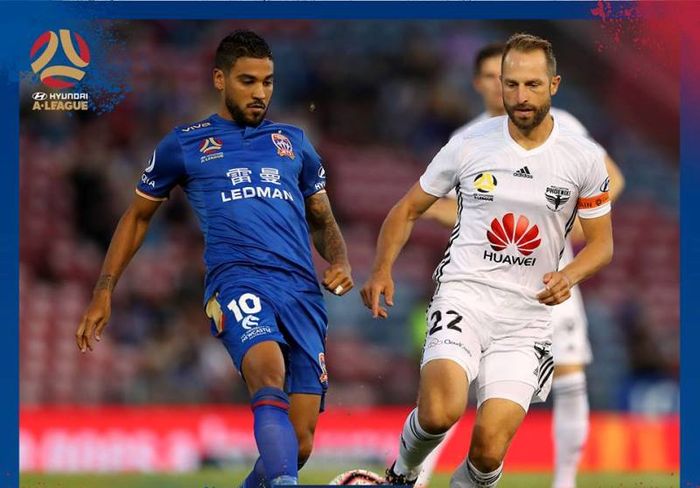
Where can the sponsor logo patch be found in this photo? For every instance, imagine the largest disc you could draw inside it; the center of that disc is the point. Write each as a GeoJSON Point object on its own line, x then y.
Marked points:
{"type": "Point", "coordinates": [523, 172]}
{"type": "Point", "coordinates": [211, 149]}
{"type": "Point", "coordinates": [484, 184]}
{"type": "Point", "coordinates": [324, 372]}
{"type": "Point", "coordinates": [507, 231]}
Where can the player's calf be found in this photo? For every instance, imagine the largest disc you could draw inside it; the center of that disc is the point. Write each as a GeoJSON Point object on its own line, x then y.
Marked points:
{"type": "Point", "coordinates": [497, 421]}
{"type": "Point", "coordinates": [570, 421]}
{"type": "Point", "coordinates": [488, 447]}
{"type": "Point", "coordinates": [275, 436]}
{"type": "Point", "coordinates": [441, 402]}
{"type": "Point", "coordinates": [415, 445]}
{"type": "Point", "coordinates": [306, 444]}
{"type": "Point", "coordinates": [486, 458]}
{"type": "Point", "coordinates": [303, 413]}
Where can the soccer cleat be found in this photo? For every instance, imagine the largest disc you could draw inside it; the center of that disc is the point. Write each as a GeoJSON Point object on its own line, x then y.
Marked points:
{"type": "Point", "coordinates": [284, 480]}
{"type": "Point", "coordinates": [392, 478]}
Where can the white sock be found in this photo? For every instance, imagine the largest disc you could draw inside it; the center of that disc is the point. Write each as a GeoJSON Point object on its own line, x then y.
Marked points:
{"type": "Point", "coordinates": [414, 447]}
{"type": "Point", "coordinates": [570, 426]}
{"type": "Point", "coordinates": [480, 479]}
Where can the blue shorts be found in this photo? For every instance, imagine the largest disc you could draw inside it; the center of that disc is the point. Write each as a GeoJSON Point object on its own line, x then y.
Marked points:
{"type": "Point", "coordinates": [245, 314]}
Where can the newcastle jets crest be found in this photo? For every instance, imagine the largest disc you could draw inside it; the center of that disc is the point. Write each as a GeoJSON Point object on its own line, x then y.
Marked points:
{"type": "Point", "coordinates": [283, 145]}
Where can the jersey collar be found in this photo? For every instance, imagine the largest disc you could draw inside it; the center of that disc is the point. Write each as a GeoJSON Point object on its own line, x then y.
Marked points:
{"type": "Point", "coordinates": [534, 151]}
{"type": "Point", "coordinates": [247, 130]}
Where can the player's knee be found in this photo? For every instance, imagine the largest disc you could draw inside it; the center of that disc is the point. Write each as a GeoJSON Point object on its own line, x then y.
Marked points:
{"type": "Point", "coordinates": [264, 379]}
{"type": "Point", "coordinates": [436, 419]}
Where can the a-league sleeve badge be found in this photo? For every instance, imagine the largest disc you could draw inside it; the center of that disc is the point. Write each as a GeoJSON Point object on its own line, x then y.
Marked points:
{"type": "Point", "coordinates": [283, 145]}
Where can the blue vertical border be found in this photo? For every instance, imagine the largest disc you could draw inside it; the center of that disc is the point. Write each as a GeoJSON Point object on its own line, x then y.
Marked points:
{"type": "Point", "coordinates": [9, 266]}
{"type": "Point", "coordinates": [690, 265]}
{"type": "Point", "coordinates": [9, 281]}
{"type": "Point", "coordinates": [17, 17]}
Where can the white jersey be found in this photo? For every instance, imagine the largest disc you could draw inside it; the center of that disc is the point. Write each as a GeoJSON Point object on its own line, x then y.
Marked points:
{"type": "Point", "coordinates": [515, 208]}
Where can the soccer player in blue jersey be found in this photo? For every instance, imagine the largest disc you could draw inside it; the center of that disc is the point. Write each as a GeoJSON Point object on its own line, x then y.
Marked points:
{"type": "Point", "coordinates": [257, 188]}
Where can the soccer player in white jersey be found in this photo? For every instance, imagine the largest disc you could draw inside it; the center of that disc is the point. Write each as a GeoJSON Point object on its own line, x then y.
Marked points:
{"type": "Point", "coordinates": [490, 318]}
{"type": "Point", "coordinates": [570, 343]}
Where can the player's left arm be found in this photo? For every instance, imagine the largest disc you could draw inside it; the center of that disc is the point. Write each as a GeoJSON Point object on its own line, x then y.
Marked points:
{"type": "Point", "coordinates": [597, 253]}
{"type": "Point", "coordinates": [617, 185]}
{"type": "Point", "coordinates": [329, 243]}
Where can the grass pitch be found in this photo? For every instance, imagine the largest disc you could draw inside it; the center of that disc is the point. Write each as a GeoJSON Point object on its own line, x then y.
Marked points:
{"type": "Point", "coordinates": [233, 478]}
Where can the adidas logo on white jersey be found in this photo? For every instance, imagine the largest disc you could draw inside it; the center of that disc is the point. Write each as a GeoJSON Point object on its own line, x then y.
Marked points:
{"type": "Point", "coordinates": [523, 172]}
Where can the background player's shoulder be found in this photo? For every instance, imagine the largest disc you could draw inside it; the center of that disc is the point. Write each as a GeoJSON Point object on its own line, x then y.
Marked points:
{"type": "Point", "coordinates": [568, 121]}
{"type": "Point", "coordinates": [483, 128]}
{"type": "Point", "coordinates": [579, 142]}
{"type": "Point", "coordinates": [479, 137]}
{"type": "Point", "coordinates": [479, 118]}
{"type": "Point", "coordinates": [576, 140]}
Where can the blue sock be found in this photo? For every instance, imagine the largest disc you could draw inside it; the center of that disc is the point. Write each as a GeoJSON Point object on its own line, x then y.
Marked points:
{"type": "Point", "coordinates": [275, 436]}
{"type": "Point", "coordinates": [256, 478]}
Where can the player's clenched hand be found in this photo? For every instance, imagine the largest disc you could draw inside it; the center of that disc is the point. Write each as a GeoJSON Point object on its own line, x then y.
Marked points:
{"type": "Point", "coordinates": [94, 321]}
{"type": "Point", "coordinates": [338, 279]}
{"type": "Point", "coordinates": [377, 285]}
{"type": "Point", "coordinates": [557, 288]}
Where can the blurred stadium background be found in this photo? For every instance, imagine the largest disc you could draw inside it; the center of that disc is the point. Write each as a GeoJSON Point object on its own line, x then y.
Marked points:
{"type": "Point", "coordinates": [378, 99]}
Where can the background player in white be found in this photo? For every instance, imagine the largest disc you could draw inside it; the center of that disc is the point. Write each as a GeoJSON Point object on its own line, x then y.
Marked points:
{"type": "Point", "coordinates": [488, 320]}
{"type": "Point", "coordinates": [570, 344]}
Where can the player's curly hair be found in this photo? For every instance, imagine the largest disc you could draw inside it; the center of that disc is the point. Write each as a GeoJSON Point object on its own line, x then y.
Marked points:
{"type": "Point", "coordinates": [527, 42]}
{"type": "Point", "coordinates": [240, 44]}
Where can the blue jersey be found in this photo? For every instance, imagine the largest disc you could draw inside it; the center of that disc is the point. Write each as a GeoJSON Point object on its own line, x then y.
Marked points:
{"type": "Point", "coordinates": [247, 186]}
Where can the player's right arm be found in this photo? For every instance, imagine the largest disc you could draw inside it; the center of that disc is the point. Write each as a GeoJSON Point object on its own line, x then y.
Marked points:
{"type": "Point", "coordinates": [126, 240]}
{"type": "Point", "coordinates": [439, 178]}
{"type": "Point", "coordinates": [166, 169]}
{"type": "Point", "coordinates": [393, 235]}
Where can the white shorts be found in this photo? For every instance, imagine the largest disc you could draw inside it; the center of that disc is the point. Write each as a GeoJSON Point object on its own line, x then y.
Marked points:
{"type": "Point", "coordinates": [508, 358]}
{"type": "Point", "coordinates": [570, 344]}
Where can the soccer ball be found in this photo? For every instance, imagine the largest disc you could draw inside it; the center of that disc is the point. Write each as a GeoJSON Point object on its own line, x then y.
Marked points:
{"type": "Point", "coordinates": [358, 477]}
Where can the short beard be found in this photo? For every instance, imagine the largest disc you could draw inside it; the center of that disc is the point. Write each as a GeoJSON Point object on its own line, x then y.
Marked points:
{"type": "Point", "coordinates": [525, 125]}
{"type": "Point", "coordinates": [239, 116]}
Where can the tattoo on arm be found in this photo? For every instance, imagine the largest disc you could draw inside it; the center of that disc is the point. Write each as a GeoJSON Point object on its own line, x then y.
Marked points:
{"type": "Point", "coordinates": [105, 282]}
{"type": "Point", "coordinates": [325, 233]}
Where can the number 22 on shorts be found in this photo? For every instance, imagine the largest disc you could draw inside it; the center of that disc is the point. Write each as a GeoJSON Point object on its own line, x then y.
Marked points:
{"type": "Point", "coordinates": [436, 319]}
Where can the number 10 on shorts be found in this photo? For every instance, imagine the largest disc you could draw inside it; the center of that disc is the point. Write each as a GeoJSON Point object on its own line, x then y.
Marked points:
{"type": "Point", "coordinates": [249, 305]}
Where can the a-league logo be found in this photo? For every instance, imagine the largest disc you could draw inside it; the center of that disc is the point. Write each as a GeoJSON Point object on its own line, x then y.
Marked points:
{"type": "Point", "coordinates": [44, 51]}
